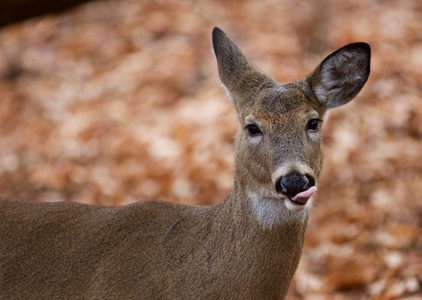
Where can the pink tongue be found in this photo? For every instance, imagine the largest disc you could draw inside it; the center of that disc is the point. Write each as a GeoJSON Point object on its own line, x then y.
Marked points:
{"type": "Point", "coordinates": [304, 196]}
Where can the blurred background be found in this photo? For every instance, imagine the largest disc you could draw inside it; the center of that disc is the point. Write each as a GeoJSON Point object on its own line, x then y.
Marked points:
{"type": "Point", "coordinates": [112, 102]}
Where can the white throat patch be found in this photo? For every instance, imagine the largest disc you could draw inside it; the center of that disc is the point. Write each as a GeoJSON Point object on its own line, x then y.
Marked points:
{"type": "Point", "coordinates": [271, 211]}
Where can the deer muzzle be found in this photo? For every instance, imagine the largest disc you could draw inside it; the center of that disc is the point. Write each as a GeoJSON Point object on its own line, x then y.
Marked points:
{"type": "Point", "coordinates": [298, 188]}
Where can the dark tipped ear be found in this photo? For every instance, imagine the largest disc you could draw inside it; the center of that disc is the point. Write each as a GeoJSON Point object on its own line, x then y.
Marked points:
{"type": "Point", "coordinates": [236, 73]}
{"type": "Point", "coordinates": [340, 77]}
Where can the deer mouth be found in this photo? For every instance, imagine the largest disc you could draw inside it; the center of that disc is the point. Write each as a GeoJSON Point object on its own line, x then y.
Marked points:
{"type": "Point", "coordinates": [296, 202]}
{"type": "Point", "coordinates": [303, 197]}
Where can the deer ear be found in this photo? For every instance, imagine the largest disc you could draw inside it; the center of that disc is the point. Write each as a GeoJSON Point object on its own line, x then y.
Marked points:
{"type": "Point", "coordinates": [238, 76]}
{"type": "Point", "coordinates": [340, 77]}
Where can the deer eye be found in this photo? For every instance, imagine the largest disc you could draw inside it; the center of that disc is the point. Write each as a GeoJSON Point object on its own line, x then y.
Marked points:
{"type": "Point", "coordinates": [313, 124]}
{"type": "Point", "coordinates": [253, 130]}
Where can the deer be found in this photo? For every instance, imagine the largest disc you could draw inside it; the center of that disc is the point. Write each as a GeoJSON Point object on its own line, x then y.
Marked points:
{"type": "Point", "coordinates": [245, 247]}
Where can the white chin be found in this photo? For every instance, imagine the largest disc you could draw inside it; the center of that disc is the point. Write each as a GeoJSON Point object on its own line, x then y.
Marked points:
{"type": "Point", "coordinates": [294, 206]}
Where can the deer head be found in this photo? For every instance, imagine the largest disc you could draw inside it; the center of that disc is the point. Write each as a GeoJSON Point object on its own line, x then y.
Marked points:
{"type": "Point", "coordinates": [279, 151]}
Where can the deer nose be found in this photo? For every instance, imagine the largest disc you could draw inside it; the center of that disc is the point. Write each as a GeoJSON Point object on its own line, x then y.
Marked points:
{"type": "Point", "coordinates": [293, 184]}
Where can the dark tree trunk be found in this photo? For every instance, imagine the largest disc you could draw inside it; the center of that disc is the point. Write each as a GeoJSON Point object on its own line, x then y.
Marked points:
{"type": "Point", "coordinates": [12, 11]}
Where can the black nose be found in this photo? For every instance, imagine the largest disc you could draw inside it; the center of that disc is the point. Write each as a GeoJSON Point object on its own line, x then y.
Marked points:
{"type": "Point", "coordinates": [293, 184]}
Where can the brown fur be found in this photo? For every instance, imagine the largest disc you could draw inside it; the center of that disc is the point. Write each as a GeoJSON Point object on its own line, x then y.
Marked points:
{"type": "Point", "coordinates": [247, 247]}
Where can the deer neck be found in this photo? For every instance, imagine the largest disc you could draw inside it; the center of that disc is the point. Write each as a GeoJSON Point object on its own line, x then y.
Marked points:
{"type": "Point", "coordinates": [269, 255]}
